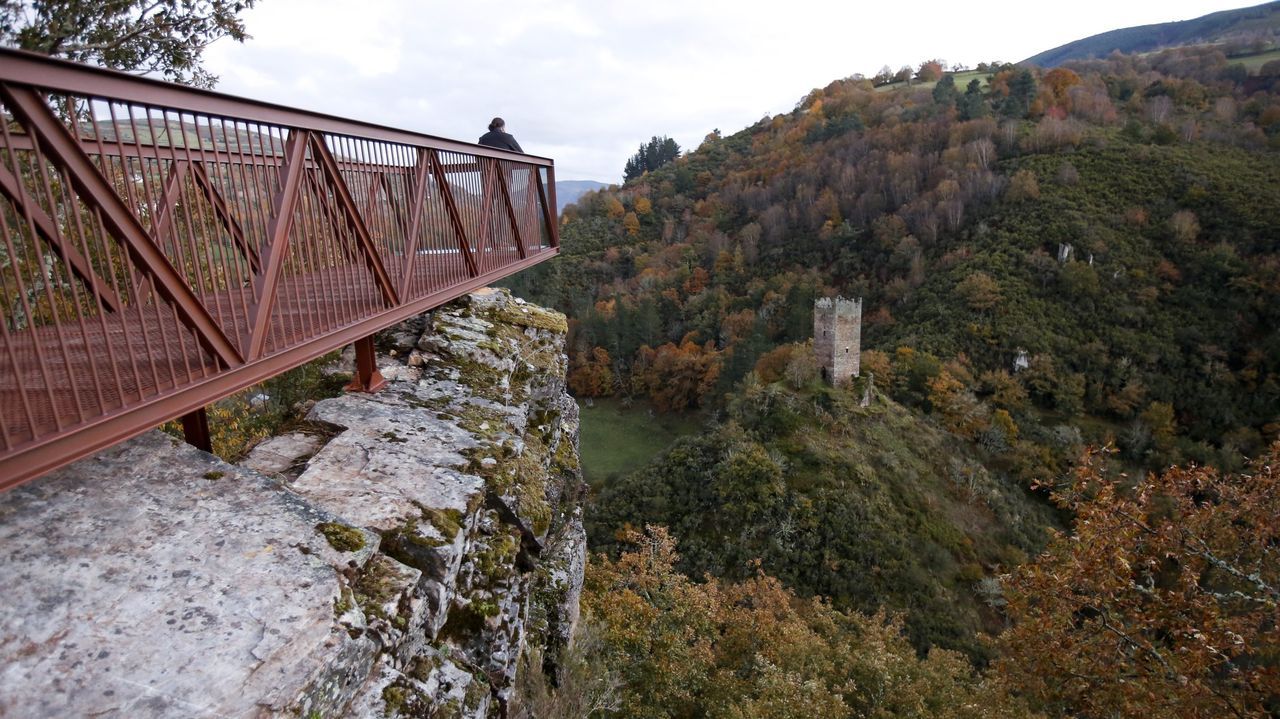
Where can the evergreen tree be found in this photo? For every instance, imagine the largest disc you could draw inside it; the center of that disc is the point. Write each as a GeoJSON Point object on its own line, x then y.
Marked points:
{"type": "Point", "coordinates": [1022, 90]}
{"type": "Point", "coordinates": [972, 105]}
{"type": "Point", "coordinates": [945, 93]}
{"type": "Point", "coordinates": [657, 152]}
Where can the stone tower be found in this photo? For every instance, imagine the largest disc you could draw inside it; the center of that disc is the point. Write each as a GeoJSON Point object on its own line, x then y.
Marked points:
{"type": "Point", "coordinates": [837, 338]}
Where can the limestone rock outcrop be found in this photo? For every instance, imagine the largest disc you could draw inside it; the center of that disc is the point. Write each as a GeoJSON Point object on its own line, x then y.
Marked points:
{"type": "Point", "coordinates": [398, 562]}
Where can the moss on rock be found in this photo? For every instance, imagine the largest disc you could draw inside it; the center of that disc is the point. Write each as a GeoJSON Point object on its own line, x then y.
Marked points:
{"type": "Point", "coordinates": [446, 521]}
{"type": "Point", "coordinates": [530, 316]}
{"type": "Point", "coordinates": [497, 560]}
{"type": "Point", "coordinates": [378, 586]}
{"type": "Point", "coordinates": [393, 698]}
{"type": "Point", "coordinates": [341, 537]}
{"type": "Point", "coordinates": [523, 477]}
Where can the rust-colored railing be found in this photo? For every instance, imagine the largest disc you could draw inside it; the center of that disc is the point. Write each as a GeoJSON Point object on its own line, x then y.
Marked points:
{"type": "Point", "coordinates": [162, 247]}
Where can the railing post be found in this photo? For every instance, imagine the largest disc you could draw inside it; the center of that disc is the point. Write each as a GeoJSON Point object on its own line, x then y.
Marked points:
{"type": "Point", "coordinates": [367, 377]}
{"type": "Point", "coordinates": [195, 428]}
{"type": "Point", "coordinates": [554, 211]}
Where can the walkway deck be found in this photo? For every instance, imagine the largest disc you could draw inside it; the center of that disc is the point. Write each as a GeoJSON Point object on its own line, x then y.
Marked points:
{"type": "Point", "coordinates": [163, 247]}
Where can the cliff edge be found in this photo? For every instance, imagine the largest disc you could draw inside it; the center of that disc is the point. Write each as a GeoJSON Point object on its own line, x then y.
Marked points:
{"type": "Point", "coordinates": [398, 556]}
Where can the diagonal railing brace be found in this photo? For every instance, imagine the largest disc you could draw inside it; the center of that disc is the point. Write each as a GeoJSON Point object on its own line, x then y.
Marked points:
{"type": "Point", "coordinates": [223, 212]}
{"type": "Point", "coordinates": [330, 171]}
{"type": "Point", "coordinates": [46, 228]}
{"type": "Point", "coordinates": [454, 217]}
{"type": "Point", "coordinates": [511, 210]}
{"type": "Point", "coordinates": [276, 245]}
{"type": "Point", "coordinates": [421, 173]}
{"type": "Point", "coordinates": [94, 189]}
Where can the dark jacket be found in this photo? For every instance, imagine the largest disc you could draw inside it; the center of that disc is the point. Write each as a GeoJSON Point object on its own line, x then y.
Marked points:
{"type": "Point", "coordinates": [501, 140]}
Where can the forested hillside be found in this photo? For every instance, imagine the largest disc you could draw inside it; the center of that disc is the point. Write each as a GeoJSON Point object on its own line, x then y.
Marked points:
{"type": "Point", "coordinates": [1237, 28]}
{"type": "Point", "coordinates": [1113, 223]}
{"type": "Point", "coordinates": [869, 507]}
{"type": "Point", "coordinates": [1050, 261]}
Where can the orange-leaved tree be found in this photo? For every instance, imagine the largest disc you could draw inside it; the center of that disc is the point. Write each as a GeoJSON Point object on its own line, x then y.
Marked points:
{"type": "Point", "coordinates": [592, 376]}
{"type": "Point", "coordinates": [679, 648]}
{"type": "Point", "coordinates": [1163, 602]}
{"type": "Point", "coordinates": [677, 377]}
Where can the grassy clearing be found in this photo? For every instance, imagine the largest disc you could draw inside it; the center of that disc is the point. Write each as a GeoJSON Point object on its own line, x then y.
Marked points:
{"type": "Point", "coordinates": [962, 81]}
{"type": "Point", "coordinates": [1255, 62]}
{"type": "Point", "coordinates": [617, 440]}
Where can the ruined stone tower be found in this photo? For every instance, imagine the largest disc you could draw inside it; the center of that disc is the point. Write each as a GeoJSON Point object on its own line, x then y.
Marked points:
{"type": "Point", "coordinates": [837, 338]}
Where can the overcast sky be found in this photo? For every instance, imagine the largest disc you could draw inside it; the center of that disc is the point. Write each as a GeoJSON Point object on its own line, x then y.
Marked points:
{"type": "Point", "coordinates": [585, 82]}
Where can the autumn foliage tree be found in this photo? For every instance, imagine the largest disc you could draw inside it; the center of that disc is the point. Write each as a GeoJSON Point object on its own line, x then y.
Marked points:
{"type": "Point", "coordinates": [930, 71]}
{"type": "Point", "coordinates": [631, 224]}
{"type": "Point", "coordinates": [754, 649]}
{"type": "Point", "coordinates": [1164, 601]}
{"type": "Point", "coordinates": [957, 407]}
{"type": "Point", "coordinates": [677, 377]}
{"type": "Point", "coordinates": [1023, 186]}
{"type": "Point", "coordinates": [980, 291]}
{"type": "Point", "coordinates": [1056, 83]}
{"type": "Point", "coordinates": [592, 376]}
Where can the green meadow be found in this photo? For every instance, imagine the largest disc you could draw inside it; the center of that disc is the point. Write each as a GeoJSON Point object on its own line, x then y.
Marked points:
{"type": "Point", "coordinates": [618, 440]}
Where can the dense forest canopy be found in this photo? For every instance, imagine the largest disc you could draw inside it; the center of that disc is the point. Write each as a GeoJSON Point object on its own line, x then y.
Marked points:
{"type": "Point", "coordinates": [1113, 221]}
{"type": "Point", "coordinates": [1162, 602]}
{"type": "Point", "coordinates": [1049, 260]}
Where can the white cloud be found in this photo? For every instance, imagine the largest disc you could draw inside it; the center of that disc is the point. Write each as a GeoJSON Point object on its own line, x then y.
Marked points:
{"type": "Point", "coordinates": [586, 82]}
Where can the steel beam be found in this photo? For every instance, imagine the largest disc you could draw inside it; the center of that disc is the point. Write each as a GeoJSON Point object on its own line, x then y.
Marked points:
{"type": "Point", "coordinates": [195, 429]}
{"type": "Point", "coordinates": [367, 378]}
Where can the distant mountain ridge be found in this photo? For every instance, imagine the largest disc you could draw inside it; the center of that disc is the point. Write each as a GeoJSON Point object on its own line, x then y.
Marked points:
{"type": "Point", "coordinates": [568, 191]}
{"type": "Point", "coordinates": [1208, 28]}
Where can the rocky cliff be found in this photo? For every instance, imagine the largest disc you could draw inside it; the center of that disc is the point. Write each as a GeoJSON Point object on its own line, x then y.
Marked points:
{"type": "Point", "coordinates": [404, 554]}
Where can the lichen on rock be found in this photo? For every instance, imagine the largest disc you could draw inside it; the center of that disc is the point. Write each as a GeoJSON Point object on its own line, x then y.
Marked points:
{"type": "Point", "coordinates": [468, 471]}
{"type": "Point", "coordinates": [397, 561]}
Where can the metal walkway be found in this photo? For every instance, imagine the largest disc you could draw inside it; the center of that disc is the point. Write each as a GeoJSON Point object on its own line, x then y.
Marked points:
{"type": "Point", "coordinates": [162, 247]}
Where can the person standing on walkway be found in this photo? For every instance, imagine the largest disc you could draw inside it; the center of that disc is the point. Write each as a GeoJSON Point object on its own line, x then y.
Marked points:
{"type": "Point", "coordinates": [498, 137]}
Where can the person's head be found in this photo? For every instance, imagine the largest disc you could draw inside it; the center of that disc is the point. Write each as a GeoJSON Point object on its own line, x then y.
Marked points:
{"type": "Point", "coordinates": [497, 125]}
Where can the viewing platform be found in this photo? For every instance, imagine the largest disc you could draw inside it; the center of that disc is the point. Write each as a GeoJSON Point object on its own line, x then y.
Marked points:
{"type": "Point", "coordinates": [163, 247]}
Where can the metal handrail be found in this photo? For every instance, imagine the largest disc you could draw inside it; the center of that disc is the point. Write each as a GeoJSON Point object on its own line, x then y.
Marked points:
{"type": "Point", "coordinates": [162, 247]}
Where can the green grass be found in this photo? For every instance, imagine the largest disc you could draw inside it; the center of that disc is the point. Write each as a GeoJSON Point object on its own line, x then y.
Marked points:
{"type": "Point", "coordinates": [962, 81]}
{"type": "Point", "coordinates": [617, 440]}
{"type": "Point", "coordinates": [1255, 62]}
